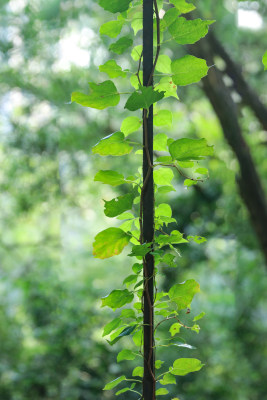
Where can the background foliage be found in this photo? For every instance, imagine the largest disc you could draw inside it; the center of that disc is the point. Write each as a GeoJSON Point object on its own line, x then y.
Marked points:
{"type": "Point", "coordinates": [50, 316]}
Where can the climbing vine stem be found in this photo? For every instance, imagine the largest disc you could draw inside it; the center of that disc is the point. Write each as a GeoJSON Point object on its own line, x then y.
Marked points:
{"type": "Point", "coordinates": [144, 224]}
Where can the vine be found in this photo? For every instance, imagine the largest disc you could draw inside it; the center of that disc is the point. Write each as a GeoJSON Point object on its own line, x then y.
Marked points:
{"type": "Point", "coordinates": [141, 219]}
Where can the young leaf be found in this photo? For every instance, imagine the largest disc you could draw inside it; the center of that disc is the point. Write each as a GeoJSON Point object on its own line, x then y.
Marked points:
{"type": "Point", "coordinates": [111, 28]}
{"type": "Point", "coordinates": [118, 205]}
{"type": "Point", "coordinates": [163, 176]}
{"type": "Point", "coordinates": [188, 69]}
{"type": "Point", "coordinates": [110, 242]}
{"type": "Point", "coordinates": [264, 61]}
{"type": "Point", "coordinates": [183, 366]}
{"type": "Point", "coordinates": [115, 6]}
{"type": "Point", "coordinates": [175, 328]}
{"type": "Point", "coordinates": [167, 85]}
{"type": "Point", "coordinates": [102, 95]}
{"type": "Point", "coordinates": [121, 45]}
{"type": "Point", "coordinates": [112, 145]}
{"type": "Point", "coordinates": [112, 69]}
{"type": "Point", "coordinates": [182, 293]}
{"type": "Point", "coordinates": [189, 31]}
{"type": "Point", "coordinates": [140, 250]}
{"type": "Point", "coordinates": [111, 326]}
{"type": "Point", "coordinates": [163, 210]}
{"type": "Point", "coordinates": [158, 364]}
{"type": "Point", "coordinates": [143, 99]}
{"type": "Point", "coordinates": [117, 298]}
{"type": "Point", "coordinates": [114, 383]}
{"type": "Point", "coordinates": [183, 6]}
{"type": "Point", "coordinates": [130, 125]}
{"type": "Point", "coordinates": [168, 379]}
{"type": "Point", "coordinates": [170, 16]}
{"type": "Point", "coordinates": [190, 149]}
{"type": "Point", "coordinates": [199, 316]}
{"type": "Point", "coordinates": [164, 64]}
{"type": "Point", "coordinates": [161, 392]}
{"type": "Point", "coordinates": [160, 142]}
{"type": "Point", "coordinates": [163, 117]}
{"type": "Point", "coordinates": [136, 52]}
{"type": "Point", "coordinates": [110, 177]}
{"type": "Point", "coordinates": [175, 237]}
{"type": "Point", "coordinates": [126, 355]}
{"type": "Point", "coordinates": [138, 371]}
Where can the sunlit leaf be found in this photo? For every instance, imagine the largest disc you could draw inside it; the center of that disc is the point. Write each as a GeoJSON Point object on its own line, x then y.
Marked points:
{"type": "Point", "coordinates": [188, 69]}
{"type": "Point", "coordinates": [117, 298]}
{"type": "Point", "coordinates": [102, 95]}
{"type": "Point", "coordinates": [264, 61]}
{"type": "Point", "coordinates": [183, 366]}
{"type": "Point", "coordinates": [190, 149]}
{"type": "Point", "coordinates": [167, 86]}
{"type": "Point", "coordinates": [189, 31]}
{"type": "Point", "coordinates": [175, 328]}
{"type": "Point", "coordinates": [160, 142]}
{"type": "Point", "coordinates": [183, 293]}
{"type": "Point", "coordinates": [126, 354]}
{"type": "Point", "coordinates": [111, 326]}
{"type": "Point", "coordinates": [109, 177]}
{"type": "Point", "coordinates": [164, 64]}
{"type": "Point", "coordinates": [183, 6]}
{"type": "Point", "coordinates": [114, 383]}
{"type": "Point", "coordinates": [168, 379]}
{"type": "Point", "coordinates": [138, 371]}
{"type": "Point", "coordinates": [111, 28]}
{"type": "Point", "coordinates": [130, 125]}
{"type": "Point", "coordinates": [110, 242]}
{"type": "Point", "coordinates": [161, 391]}
{"type": "Point", "coordinates": [163, 117]}
{"type": "Point", "coordinates": [163, 176]}
{"type": "Point", "coordinates": [112, 145]}
{"type": "Point", "coordinates": [112, 69]}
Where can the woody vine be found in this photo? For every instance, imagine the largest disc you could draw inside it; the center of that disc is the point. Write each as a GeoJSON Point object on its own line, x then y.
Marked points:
{"type": "Point", "coordinates": [155, 78]}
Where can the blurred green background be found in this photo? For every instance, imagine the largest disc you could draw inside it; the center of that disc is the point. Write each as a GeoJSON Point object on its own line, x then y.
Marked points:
{"type": "Point", "coordinates": [50, 284]}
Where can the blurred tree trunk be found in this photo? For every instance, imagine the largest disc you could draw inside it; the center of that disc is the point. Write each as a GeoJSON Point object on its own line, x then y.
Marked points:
{"type": "Point", "coordinates": [221, 99]}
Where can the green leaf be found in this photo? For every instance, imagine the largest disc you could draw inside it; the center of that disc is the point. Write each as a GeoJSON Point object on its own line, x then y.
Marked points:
{"type": "Point", "coordinates": [118, 205]}
{"type": "Point", "coordinates": [138, 336]}
{"type": "Point", "coordinates": [190, 182]}
{"type": "Point", "coordinates": [169, 260]}
{"type": "Point", "coordinates": [137, 268]}
{"type": "Point", "coordinates": [112, 145]}
{"type": "Point", "coordinates": [183, 366]}
{"type": "Point", "coordinates": [199, 316]}
{"type": "Point", "coordinates": [182, 293]}
{"type": "Point", "coordinates": [158, 364]}
{"type": "Point", "coordinates": [175, 328]}
{"type": "Point", "coordinates": [102, 95]}
{"type": "Point", "coordinates": [167, 85]}
{"type": "Point", "coordinates": [135, 81]}
{"type": "Point", "coordinates": [195, 328]}
{"type": "Point", "coordinates": [183, 6]}
{"type": "Point", "coordinates": [125, 332]}
{"type": "Point", "coordinates": [175, 237]}
{"type": "Point", "coordinates": [114, 383]}
{"type": "Point", "coordinates": [163, 176]}
{"type": "Point", "coordinates": [163, 210]}
{"type": "Point", "coordinates": [168, 379]}
{"type": "Point", "coordinates": [130, 280]}
{"type": "Point", "coordinates": [143, 99]}
{"type": "Point", "coordinates": [164, 64]}
{"type": "Point", "coordinates": [115, 6]}
{"type": "Point", "coordinates": [189, 31]}
{"type": "Point", "coordinates": [125, 389]}
{"type": "Point", "coordinates": [190, 149]}
{"type": "Point", "coordinates": [197, 239]}
{"type": "Point", "coordinates": [111, 326]}
{"type": "Point", "coordinates": [160, 142]}
{"type": "Point", "coordinates": [136, 52]}
{"type": "Point", "coordinates": [138, 371]}
{"type": "Point", "coordinates": [110, 242]}
{"type": "Point", "coordinates": [140, 250]}
{"type": "Point", "coordinates": [137, 22]}
{"type": "Point", "coordinates": [126, 355]}
{"type": "Point", "coordinates": [163, 117]}
{"type": "Point", "coordinates": [117, 298]}
{"type": "Point", "coordinates": [121, 45]}
{"type": "Point", "coordinates": [109, 177]}
{"type": "Point", "coordinates": [112, 69]}
{"type": "Point", "coordinates": [111, 28]}
{"type": "Point", "coordinates": [188, 69]}
{"type": "Point", "coordinates": [264, 61]}
{"type": "Point", "coordinates": [202, 171]}
{"type": "Point", "coordinates": [170, 17]}
{"type": "Point", "coordinates": [161, 391]}
{"type": "Point", "coordinates": [130, 125]}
